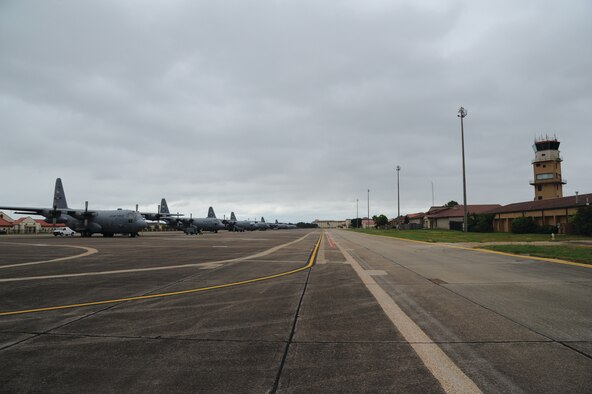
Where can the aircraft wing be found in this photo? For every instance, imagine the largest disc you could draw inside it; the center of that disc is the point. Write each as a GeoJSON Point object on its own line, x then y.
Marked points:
{"type": "Point", "coordinates": [51, 212]}
{"type": "Point", "coordinates": [29, 210]}
{"type": "Point", "coordinates": [78, 214]}
{"type": "Point", "coordinates": [159, 216]}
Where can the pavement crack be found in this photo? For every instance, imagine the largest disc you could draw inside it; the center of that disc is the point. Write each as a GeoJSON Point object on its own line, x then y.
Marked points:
{"type": "Point", "coordinates": [291, 337]}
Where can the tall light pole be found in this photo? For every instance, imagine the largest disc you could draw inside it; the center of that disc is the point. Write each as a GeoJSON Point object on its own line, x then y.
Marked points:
{"type": "Point", "coordinates": [462, 112]}
{"type": "Point", "coordinates": [368, 209]}
{"type": "Point", "coordinates": [398, 196]}
{"type": "Point", "coordinates": [357, 213]}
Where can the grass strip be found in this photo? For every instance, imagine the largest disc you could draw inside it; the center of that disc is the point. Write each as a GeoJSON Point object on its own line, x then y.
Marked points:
{"type": "Point", "coordinates": [451, 236]}
{"type": "Point", "coordinates": [577, 254]}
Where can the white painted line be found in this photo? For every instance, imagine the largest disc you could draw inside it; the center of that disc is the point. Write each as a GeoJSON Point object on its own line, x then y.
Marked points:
{"type": "Point", "coordinates": [194, 265]}
{"type": "Point", "coordinates": [451, 377]}
{"type": "Point", "coordinates": [376, 272]}
{"type": "Point", "coordinates": [210, 266]}
{"type": "Point", "coordinates": [88, 252]}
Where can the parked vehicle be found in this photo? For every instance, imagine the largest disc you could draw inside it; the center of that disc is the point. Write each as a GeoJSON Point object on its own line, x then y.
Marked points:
{"type": "Point", "coordinates": [64, 231]}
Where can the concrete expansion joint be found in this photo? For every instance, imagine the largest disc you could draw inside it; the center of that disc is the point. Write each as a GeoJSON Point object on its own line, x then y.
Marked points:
{"type": "Point", "coordinates": [566, 344]}
{"type": "Point", "coordinates": [157, 338]}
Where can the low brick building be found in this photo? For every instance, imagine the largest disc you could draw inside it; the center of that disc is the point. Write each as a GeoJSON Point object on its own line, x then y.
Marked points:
{"type": "Point", "coordinates": [442, 217]}
{"type": "Point", "coordinates": [551, 212]}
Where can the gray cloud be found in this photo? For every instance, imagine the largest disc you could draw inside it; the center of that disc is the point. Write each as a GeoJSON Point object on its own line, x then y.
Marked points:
{"type": "Point", "coordinates": [288, 109]}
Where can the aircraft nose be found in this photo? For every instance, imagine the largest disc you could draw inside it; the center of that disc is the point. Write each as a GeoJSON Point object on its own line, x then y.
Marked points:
{"type": "Point", "coordinates": [141, 223]}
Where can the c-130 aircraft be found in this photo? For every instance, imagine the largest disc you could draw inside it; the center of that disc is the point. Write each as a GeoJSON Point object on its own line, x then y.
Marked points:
{"type": "Point", "coordinates": [190, 225]}
{"type": "Point", "coordinates": [87, 222]}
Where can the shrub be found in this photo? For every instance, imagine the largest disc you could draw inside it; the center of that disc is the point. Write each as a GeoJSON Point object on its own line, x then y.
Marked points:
{"type": "Point", "coordinates": [582, 220]}
{"type": "Point", "coordinates": [482, 223]}
{"type": "Point", "coordinates": [547, 229]}
{"type": "Point", "coordinates": [525, 225]}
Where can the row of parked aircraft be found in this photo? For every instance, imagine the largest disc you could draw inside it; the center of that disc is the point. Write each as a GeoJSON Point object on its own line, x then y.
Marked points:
{"type": "Point", "coordinates": [124, 221]}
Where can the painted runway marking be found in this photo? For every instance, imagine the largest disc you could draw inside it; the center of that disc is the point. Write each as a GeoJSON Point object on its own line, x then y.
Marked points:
{"type": "Point", "coordinates": [376, 272]}
{"type": "Point", "coordinates": [169, 267]}
{"type": "Point", "coordinates": [88, 252]}
{"type": "Point", "coordinates": [310, 262]}
{"type": "Point", "coordinates": [451, 377]}
{"type": "Point", "coordinates": [330, 240]}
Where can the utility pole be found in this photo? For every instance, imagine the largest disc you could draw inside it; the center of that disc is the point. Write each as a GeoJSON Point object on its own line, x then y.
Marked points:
{"type": "Point", "coordinates": [461, 114]}
{"type": "Point", "coordinates": [398, 196]}
{"type": "Point", "coordinates": [357, 213]}
{"type": "Point", "coordinates": [368, 209]}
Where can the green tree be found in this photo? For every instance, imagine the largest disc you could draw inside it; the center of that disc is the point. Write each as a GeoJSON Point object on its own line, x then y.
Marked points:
{"type": "Point", "coordinates": [582, 220]}
{"type": "Point", "coordinates": [451, 203]}
{"type": "Point", "coordinates": [380, 220]}
{"type": "Point", "coordinates": [356, 223]}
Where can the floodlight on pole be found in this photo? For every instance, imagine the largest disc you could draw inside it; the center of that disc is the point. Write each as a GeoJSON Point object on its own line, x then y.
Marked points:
{"type": "Point", "coordinates": [462, 113]}
{"type": "Point", "coordinates": [368, 222]}
{"type": "Point", "coordinates": [357, 213]}
{"type": "Point", "coordinates": [398, 196]}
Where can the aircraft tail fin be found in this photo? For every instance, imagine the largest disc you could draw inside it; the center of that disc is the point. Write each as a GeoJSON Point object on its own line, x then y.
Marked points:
{"type": "Point", "coordinates": [59, 197]}
{"type": "Point", "coordinates": [211, 213]}
{"type": "Point", "coordinates": [232, 217]}
{"type": "Point", "coordinates": [262, 219]}
{"type": "Point", "coordinates": [164, 208]}
{"type": "Point", "coordinates": [276, 222]}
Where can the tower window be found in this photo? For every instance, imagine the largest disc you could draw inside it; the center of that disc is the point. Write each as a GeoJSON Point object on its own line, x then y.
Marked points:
{"type": "Point", "coordinates": [544, 176]}
{"type": "Point", "coordinates": [539, 187]}
{"type": "Point", "coordinates": [540, 197]}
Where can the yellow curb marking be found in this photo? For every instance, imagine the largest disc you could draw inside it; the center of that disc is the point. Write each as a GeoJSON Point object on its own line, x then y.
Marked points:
{"type": "Point", "coordinates": [547, 259]}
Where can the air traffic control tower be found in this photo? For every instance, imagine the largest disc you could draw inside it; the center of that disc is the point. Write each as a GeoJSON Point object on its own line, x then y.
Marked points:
{"type": "Point", "coordinates": [547, 169]}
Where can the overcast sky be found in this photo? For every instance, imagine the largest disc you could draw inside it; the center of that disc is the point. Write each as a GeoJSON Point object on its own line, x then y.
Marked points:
{"type": "Point", "coordinates": [289, 109]}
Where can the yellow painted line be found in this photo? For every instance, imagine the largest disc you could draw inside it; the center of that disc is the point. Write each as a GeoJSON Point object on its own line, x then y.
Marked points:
{"type": "Point", "coordinates": [88, 252]}
{"type": "Point", "coordinates": [309, 264]}
{"type": "Point", "coordinates": [558, 261]}
{"type": "Point", "coordinates": [526, 257]}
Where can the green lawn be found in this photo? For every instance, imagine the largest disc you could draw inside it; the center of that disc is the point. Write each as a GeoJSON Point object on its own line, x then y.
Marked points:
{"type": "Point", "coordinates": [459, 236]}
{"type": "Point", "coordinates": [579, 254]}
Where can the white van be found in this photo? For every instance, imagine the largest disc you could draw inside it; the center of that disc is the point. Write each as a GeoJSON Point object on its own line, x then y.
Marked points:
{"type": "Point", "coordinates": [64, 231]}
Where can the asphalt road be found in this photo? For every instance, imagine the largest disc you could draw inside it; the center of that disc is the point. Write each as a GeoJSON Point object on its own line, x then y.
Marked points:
{"type": "Point", "coordinates": [245, 312]}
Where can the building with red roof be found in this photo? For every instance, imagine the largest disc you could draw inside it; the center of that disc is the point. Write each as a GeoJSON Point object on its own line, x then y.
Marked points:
{"type": "Point", "coordinates": [26, 225]}
{"type": "Point", "coordinates": [442, 217]}
{"type": "Point", "coordinates": [546, 212]}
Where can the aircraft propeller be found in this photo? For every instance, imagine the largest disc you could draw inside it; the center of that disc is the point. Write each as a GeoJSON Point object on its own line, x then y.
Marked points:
{"type": "Point", "coordinates": [85, 214]}
{"type": "Point", "coordinates": [53, 214]}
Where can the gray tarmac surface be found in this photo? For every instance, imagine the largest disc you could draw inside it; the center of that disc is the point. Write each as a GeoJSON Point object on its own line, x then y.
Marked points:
{"type": "Point", "coordinates": [509, 324]}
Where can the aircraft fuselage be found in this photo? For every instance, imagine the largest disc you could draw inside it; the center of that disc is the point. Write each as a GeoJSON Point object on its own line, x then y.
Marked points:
{"type": "Point", "coordinates": [107, 222]}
